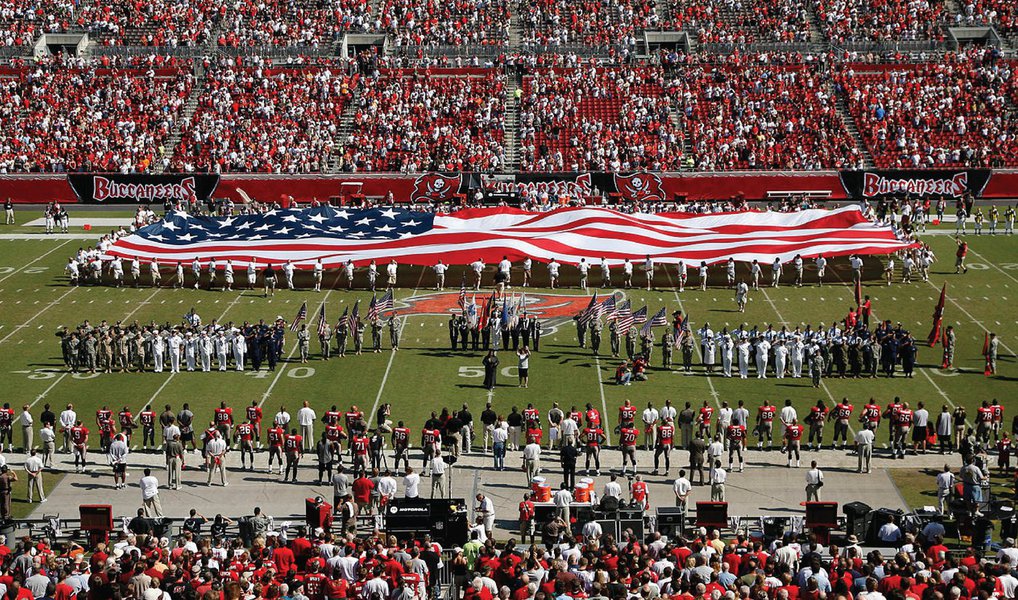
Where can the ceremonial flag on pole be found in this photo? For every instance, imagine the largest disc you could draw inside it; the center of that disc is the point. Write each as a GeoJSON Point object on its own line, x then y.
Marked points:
{"type": "Point", "coordinates": [373, 309]}
{"type": "Point", "coordinates": [938, 318]}
{"type": "Point", "coordinates": [658, 320]}
{"type": "Point", "coordinates": [640, 316]}
{"type": "Point", "coordinates": [355, 316]}
{"type": "Point", "coordinates": [344, 319]}
{"type": "Point", "coordinates": [623, 317]}
{"type": "Point", "coordinates": [590, 313]}
{"type": "Point", "coordinates": [987, 370]}
{"type": "Point", "coordinates": [607, 307]}
{"type": "Point", "coordinates": [858, 292]}
{"type": "Point", "coordinates": [386, 303]}
{"type": "Point", "coordinates": [463, 294]}
{"type": "Point", "coordinates": [322, 323]}
{"type": "Point", "coordinates": [301, 315]}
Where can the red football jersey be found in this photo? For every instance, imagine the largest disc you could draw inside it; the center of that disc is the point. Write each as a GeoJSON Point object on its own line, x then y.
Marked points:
{"type": "Point", "coordinates": [627, 414]}
{"type": "Point", "coordinates": [793, 432]}
{"type": "Point", "coordinates": [534, 436]}
{"type": "Point", "coordinates": [276, 435]}
{"type": "Point", "coordinates": [843, 411]}
{"type": "Point", "coordinates": [628, 436]}
{"type": "Point", "coordinates": [592, 435]}
{"type": "Point", "coordinates": [147, 418]}
{"type": "Point", "coordinates": [245, 431]}
{"type": "Point", "coordinates": [736, 433]}
{"type": "Point", "coordinates": [400, 437]}
{"type": "Point", "coordinates": [126, 419]}
{"type": "Point", "coordinates": [79, 435]}
{"type": "Point", "coordinates": [254, 414]}
{"type": "Point", "coordinates": [224, 416]}
{"type": "Point", "coordinates": [665, 434]}
{"type": "Point", "coordinates": [766, 413]}
{"type": "Point", "coordinates": [292, 443]}
{"type": "Point", "coordinates": [360, 445]}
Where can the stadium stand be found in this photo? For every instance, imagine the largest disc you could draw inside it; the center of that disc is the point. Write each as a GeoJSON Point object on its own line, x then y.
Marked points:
{"type": "Point", "coordinates": [742, 22]}
{"type": "Point", "coordinates": [60, 117]}
{"type": "Point", "coordinates": [598, 119]}
{"type": "Point", "coordinates": [951, 113]}
{"type": "Point", "coordinates": [443, 23]}
{"type": "Point", "coordinates": [407, 121]}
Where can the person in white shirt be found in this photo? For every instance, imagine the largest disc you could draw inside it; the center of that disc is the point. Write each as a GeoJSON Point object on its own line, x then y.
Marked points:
{"type": "Point", "coordinates": [486, 510]}
{"type": "Point", "coordinates": [570, 429]}
{"type": "Point", "coordinates": [306, 419]}
{"type": "Point", "coordinates": [49, 444]}
{"type": "Point", "coordinates": [116, 454]}
{"type": "Point", "coordinates": [592, 530]}
{"type": "Point", "coordinates": [627, 274]}
{"type": "Point", "coordinates": [945, 487]}
{"type": "Point", "coordinates": [1008, 554]}
{"type": "Point", "coordinates": [920, 423]}
{"type": "Point", "coordinates": [787, 416]}
{"type": "Point", "coordinates": [584, 268]}
{"type": "Point", "coordinates": [438, 467]}
{"type": "Point", "coordinates": [215, 452]}
{"type": "Point", "coordinates": [532, 460]}
{"type": "Point", "coordinates": [505, 267]}
{"type": "Point", "coordinates": [478, 267]}
{"type": "Point", "coordinates": [682, 488]}
{"type": "Point", "coordinates": [390, 271]}
{"type": "Point", "coordinates": [648, 271]}
{"type": "Point", "coordinates": [440, 270]}
{"type": "Point", "coordinates": [386, 487]}
{"type": "Point", "coordinates": [606, 273]}
{"type": "Point", "coordinates": [553, 268]}
{"type": "Point", "coordinates": [776, 272]}
{"type": "Point", "coordinates": [718, 477]}
{"type": "Point", "coordinates": [27, 428]}
{"type": "Point", "coordinates": [228, 276]}
{"type": "Point", "coordinates": [499, 442]}
{"type": "Point", "coordinates": [864, 448]}
{"type": "Point", "coordinates": [33, 467]}
{"type": "Point", "coordinates": [150, 495]}
{"type": "Point", "coordinates": [282, 418]}
{"type": "Point", "coordinates": [528, 271]}
{"type": "Point", "coordinates": [288, 274]}
{"type": "Point", "coordinates": [650, 419]}
{"type": "Point", "coordinates": [411, 484]}
{"type": "Point", "coordinates": [821, 264]}
{"type": "Point", "coordinates": [613, 488]}
{"type": "Point", "coordinates": [562, 499]}
{"type": "Point", "coordinates": [814, 481]}
{"type": "Point", "coordinates": [318, 269]}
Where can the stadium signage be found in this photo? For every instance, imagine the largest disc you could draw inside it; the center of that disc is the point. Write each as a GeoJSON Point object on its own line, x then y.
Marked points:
{"type": "Point", "coordinates": [142, 189]}
{"type": "Point", "coordinates": [881, 184]}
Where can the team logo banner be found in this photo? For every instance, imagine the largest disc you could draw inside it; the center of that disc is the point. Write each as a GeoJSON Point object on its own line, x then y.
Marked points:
{"type": "Point", "coordinates": [137, 188]}
{"type": "Point", "coordinates": [634, 187]}
{"type": "Point", "coordinates": [915, 183]}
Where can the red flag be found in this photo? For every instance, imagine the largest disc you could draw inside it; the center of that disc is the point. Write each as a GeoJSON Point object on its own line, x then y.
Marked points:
{"type": "Point", "coordinates": [858, 292]}
{"type": "Point", "coordinates": [938, 318]}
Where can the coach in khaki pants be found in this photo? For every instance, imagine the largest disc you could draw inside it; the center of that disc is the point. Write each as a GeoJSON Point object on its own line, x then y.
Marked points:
{"type": "Point", "coordinates": [864, 447]}
{"type": "Point", "coordinates": [174, 461]}
{"type": "Point", "coordinates": [27, 433]}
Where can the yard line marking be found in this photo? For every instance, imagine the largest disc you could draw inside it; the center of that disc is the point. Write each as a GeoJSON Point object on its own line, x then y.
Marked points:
{"type": "Point", "coordinates": [939, 390]}
{"type": "Point", "coordinates": [47, 390]}
{"type": "Point", "coordinates": [36, 315]}
{"type": "Point", "coordinates": [158, 391]}
{"type": "Point", "coordinates": [392, 354]}
{"type": "Point", "coordinates": [284, 364]}
{"type": "Point", "coordinates": [35, 260]}
{"type": "Point", "coordinates": [992, 264]}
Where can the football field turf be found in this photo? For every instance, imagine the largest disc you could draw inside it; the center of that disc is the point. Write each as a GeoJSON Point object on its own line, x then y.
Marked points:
{"type": "Point", "coordinates": [425, 375]}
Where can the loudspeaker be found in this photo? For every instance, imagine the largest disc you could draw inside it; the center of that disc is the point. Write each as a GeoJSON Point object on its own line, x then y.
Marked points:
{"type": "Point", "coordinates": [774, 527]}
{"type": "Point", "coordinates": [609, 526]}
{"type": "Point", "coordinates": [877, 519]}
{"type": "Point", "coordinates": [96, 517]}
{"type": "Point", "coordinates": [445, 520]}
{"type": "Point", "coordinates": [669, 515]}
{"type": "Point", "coordinates": [712, 514]}
{"type": "Point", "coordinates": [635, 524]}
{"type": "Point", "coordinates": [821, 514]}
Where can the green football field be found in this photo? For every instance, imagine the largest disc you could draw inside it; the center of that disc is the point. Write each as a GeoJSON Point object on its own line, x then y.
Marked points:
{"type": "Point", "coordinates": [425, 375]}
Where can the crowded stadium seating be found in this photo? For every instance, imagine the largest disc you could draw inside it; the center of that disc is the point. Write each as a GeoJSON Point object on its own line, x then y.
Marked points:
{"type": "Point", "coordinates": [268, 120]}
{"type": "Point", "coordinates": [947, 114]}
{"type": "Point", "coordinates": [408, 121]}
{"type": "Point", "coordinates": [738, 21]}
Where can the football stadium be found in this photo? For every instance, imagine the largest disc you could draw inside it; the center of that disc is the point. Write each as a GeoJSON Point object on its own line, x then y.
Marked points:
{"type": "Point", "coordinates": [529, 300]}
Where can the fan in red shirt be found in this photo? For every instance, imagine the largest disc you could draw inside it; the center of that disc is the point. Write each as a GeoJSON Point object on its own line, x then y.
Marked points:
{"type": "Point", "coordinates": [362, 487]}
{"type": "Point", "coordinates": [534, 433]}
{"type": "Point", "coordinates": [793, 438]}
{"type": "Point", "coordinates": [315, 583]}
{"type": "Point", "coordinates": [638, 491]}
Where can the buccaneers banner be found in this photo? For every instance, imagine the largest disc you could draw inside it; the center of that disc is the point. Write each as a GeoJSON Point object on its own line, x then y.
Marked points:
{"type": "Point", "coordinates": [633, 187]}
{"type": "Point", "coordinates": [136, 188]}
{"type": "Point", "coordinates": [914, 183]}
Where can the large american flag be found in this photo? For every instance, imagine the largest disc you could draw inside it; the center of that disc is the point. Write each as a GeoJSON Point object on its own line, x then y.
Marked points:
{"type": "Point", "coordinates": [303, 236]}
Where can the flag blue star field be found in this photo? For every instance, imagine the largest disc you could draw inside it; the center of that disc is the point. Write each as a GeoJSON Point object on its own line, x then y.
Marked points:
{"type": "Point", "coordinates": [303, 236]}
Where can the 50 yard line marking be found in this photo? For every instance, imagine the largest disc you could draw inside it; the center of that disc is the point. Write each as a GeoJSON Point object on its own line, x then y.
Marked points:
{"type": "Point", "coordinates": [392, 354]}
